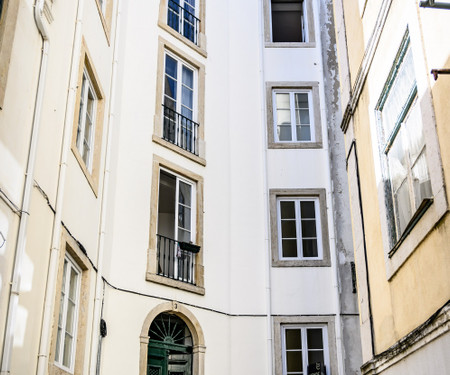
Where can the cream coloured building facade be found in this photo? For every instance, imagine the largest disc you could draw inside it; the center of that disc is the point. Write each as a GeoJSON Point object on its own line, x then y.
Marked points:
{"type": "Point", "coordinates": [173, 190]}
{"type": "Point", "coordinates": [393, 65]}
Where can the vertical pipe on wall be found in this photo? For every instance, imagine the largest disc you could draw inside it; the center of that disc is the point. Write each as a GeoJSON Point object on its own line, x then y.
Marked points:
{"type": "Point", "coordinates": [268, 263]}
{"type": "Point", "coordinates": [50, 290]}
{"type": "Point", "coordinates": [99, 288]}
{"type": "Point", "coordinates": [28, 186]}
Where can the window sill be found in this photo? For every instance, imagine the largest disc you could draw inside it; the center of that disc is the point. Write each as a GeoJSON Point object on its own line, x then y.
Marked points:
{"type": "Point", "coordinates": [175, 283]}
{"type": "Point", "coordinates": [301, 263]}
{"type": "Point", "coordinates": [426, 203]}
{"type": "Point", "coordinates": [179, 150]}
{"type": "Point", "coordinates": [423, 222]}
{"type": "Point", "coordinates": [200, 49]}
{"type": "Point", "coordinates": [290, 45]}
{"type": "Point", "coordinates": [89, 177]}
{"type": "Point", "coordinates": [294, 145]}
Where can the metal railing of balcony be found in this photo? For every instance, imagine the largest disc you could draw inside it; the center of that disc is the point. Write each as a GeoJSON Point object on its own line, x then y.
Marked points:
{"type": "Point", "coordinates": [183, 21]}
{"type": "Point", "coordinates": [180, 130]}
{"type": "Point", "coordinates": [174, 262]}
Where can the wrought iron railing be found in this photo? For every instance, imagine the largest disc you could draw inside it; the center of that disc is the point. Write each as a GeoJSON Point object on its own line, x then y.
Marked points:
{"type": "Point", "coordinates": [183, 21]}
{"type": "Point", "coordinates": [173, 261]}
{"type": "Point", "coordinates": [180, 130]}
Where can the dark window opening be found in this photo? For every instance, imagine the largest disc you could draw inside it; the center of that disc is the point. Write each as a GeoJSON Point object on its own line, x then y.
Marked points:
{"type": "Point", "coordinates": [288, 21]}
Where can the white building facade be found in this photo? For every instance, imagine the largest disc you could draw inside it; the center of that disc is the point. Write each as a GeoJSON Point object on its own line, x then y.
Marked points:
{"type": "Point", "coordinates": [186, 208]}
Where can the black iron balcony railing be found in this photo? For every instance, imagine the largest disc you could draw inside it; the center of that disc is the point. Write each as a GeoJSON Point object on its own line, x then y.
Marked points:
{"type": "Point", "coordinates": [174, 261]}
{"type": "Point", "coordinates": [183, 21]}
{"type": "Point", "coordinates": [180, 130]}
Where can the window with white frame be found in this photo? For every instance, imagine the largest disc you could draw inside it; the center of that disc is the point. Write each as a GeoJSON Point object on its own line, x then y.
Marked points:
{"type": "Point", "coordinates": [293, 121]}
{"type": "Point", "coordinates": [304, 350]}
{"type": "Point", "coordinates": [179, 102]}
{"type": "Point", "coordinates": [68, 315]}
{"type": "Point", "coordinates": [182, 16]}
{"type": "Point", "coordinates": [176, 230]}
{"type": "Point", "coordinates": [288, 21]}
{"type": "Point", "coordinates": [86, 121]}
{"type": "Point", "coordinates": [403, 146]}
{"type": "Point", "coordinates": [299, 232]}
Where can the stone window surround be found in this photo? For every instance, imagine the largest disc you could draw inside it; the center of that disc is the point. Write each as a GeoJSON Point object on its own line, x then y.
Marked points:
{"type": "Point", "coordinates": [106, 17]}
{"type": "Point", "coordinates": [152, 274]}
{"type": "Point", "coordinates": [299, 193]}
{"type": "Point", "coordinates": [311, 43]}
{"type": "Point", "coordinates": [7, 29]}
{"type": "Point", "coordinates": [86, 63]}
{"type": "Point", "coordinates": [199, 348]}
{"type": "Point", "coordinates": [314, 111]}
{"type": "Point", "coordinates": [70, 247]}
{"type": "Point", "coordinates": [163, 46]}
{"type": "Point", "coordinates": [397, 253]}
{"type": "Point", "coordinates": [304, 320]}
{"type": "Point", "coordinates": [162, 22]}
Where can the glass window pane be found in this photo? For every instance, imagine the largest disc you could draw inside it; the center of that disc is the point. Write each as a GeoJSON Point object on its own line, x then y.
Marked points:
{"type": "Point", "coordinates": [171, 67]}
{"type": "Point", "coordinates": [302, 116]}
{"type": "Point", "coordinates": [421, 180]}
{"type": "Point", "coordinates": [284, 133]}
{"type": "Point", "coordinates": [294, 361]}
{"type": "Point", "coordinates": [301, 100]}
{"type": "Point", "coordinates": [184, 195]}
{"type": "Point", "coordinates": [309, 228]}
{"type": "Point", "coordinates": [67, 355]}
{"type": "Point", "coordinates": [286, 25]}
{"type": "Point", "coordinates": [314, 337]}
{"type": "Point", "coordinates": [283, 117]}
{"type": "Point", "coordinates": [170, 88]}
{"type": "Point", "coordinates": [288, 229]}
{"type": "Point", "coordinates": [187, 97]}
{"type": "Point", "coordinates": [398, 163]}
{"type": "Point", "coordinates": [307, 209]}
{"type": "Point", "coordinates": [310, 248]}
{"type": "Point", "coordinates": [184, 235]}
{"type": "Point", "coordinates": [184, 217]}
{"type": "Point", "coordinates": [289, 248]}
{"type": "Point", "coordinates": [403, 206]}
{"type": "Point", "coordinates": [188, 77]}
{"type": "Point", "coordinates": [315, 356]}
{"type": "Point", "coordinates": [282, 101]}
{"type": "Point", "coordinates": [293, 338]}
{"type": "Point", "coordinates": [303, 133]}
{"type": "Point", "coordinates": [287, 209]}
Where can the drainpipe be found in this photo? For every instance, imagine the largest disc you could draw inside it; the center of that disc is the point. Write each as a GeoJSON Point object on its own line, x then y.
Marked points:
{"type": "Point", "coordinates": [268, 263]}
{"type": "Point", "coordinates": [27, 190]}
{"type": "Point", "coordinates": [99, 290]}
{"type": "Point", "coordinates": [50, 290]}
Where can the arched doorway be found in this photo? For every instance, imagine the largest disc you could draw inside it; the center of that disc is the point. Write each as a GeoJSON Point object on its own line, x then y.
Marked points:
{"type": "Point", "coordinates": [170, 346]}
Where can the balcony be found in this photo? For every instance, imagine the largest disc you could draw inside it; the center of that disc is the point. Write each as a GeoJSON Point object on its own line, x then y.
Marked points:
{"type": "Point", "coordinates": [176, 260]}
{"type": "Point", "coordinates": [183, 21]}
{"type": "Point", "coordinates": [180, 130]}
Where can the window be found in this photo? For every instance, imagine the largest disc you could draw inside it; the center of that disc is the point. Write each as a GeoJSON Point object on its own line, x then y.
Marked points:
{"type": "Point", "coordinates": [403, 145]}
{"type": "Point", "coordinates": [180, 97]}
{"type": "Point", "coordinates": [304, 345]}
{"type": "Point", "coordinates": [304, 350]}
{"type": "Point", "coordinates": [179, 126]}
{"type": "Point", "coordinates": [185, 20]}
{"type": "Point", "coordinates": [299, 227]}
{"type": "Point", "coordinates": [68, 345]}
{"type": "Point", "coordinates": [293, 115]}
{"type": "Point", "coordinates": [88, 121]}
{"type": "Point", "coordinates": [176, 228]}
{"type": "Point", "coordinates": [68, 315]}
{"type": "Point", "coordinates": [105, 9]}
{"type": "Point", "coordinates": [289, 23]}
{"type": "Point", "coordinates": [292, 119]}
{"type": "Point", "coordinates": [182, 16]}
